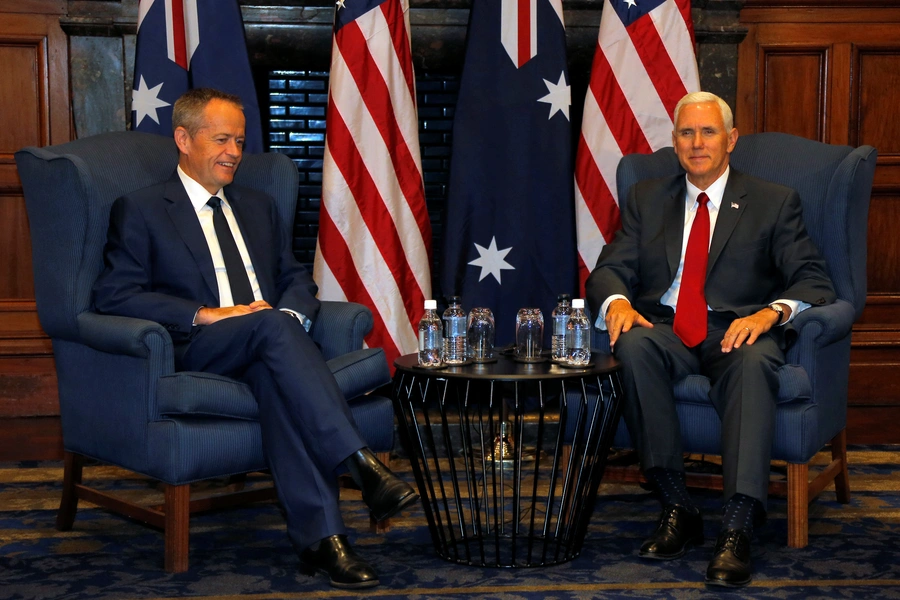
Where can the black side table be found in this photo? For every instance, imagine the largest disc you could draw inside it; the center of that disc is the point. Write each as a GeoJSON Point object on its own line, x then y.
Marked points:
{"type": "Point", "coordinates": [507, 455]}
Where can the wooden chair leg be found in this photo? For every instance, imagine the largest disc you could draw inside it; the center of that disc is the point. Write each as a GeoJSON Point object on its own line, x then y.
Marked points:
{"type": "Point", "coordinates": [177, 527]}
{"type": "Point", "coordinates": [842, 479]}
{"type": "Point", "coordinates": [68, 505]}
{"type": "Point", "coordinates": [798, 505]}
{"type": "Point", "coordinates": [385, 525]}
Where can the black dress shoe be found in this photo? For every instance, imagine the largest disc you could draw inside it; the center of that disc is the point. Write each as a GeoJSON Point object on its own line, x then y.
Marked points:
{"type": "Point", "coordinates": [336, 558]}
{"type": "Point", "coordinates": [383, 492]}
{"type": "Point", "coordinates": [678, 528]}
{"type": "Point", "coordinates": [730, 564]}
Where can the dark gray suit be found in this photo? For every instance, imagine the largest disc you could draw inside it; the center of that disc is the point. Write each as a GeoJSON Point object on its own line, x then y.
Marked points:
{"type": "Point", "coordinates": [759, 252]}
{"type": "Point", "coordinates": [158, 267]}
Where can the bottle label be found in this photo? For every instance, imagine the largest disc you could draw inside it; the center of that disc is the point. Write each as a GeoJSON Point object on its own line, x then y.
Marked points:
{"type": "Point", "coordinates": [455, 326]}
{"type": "Point", "coordinates": [559, 324]}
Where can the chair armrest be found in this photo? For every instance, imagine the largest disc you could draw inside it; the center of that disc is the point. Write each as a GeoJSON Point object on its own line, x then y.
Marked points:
{"type": "Point", "coordinates": [817, 327]}
{"type": "Point", "coordinates": [340, 327]}
{"type": "Point", "coordinates": [125, 335]}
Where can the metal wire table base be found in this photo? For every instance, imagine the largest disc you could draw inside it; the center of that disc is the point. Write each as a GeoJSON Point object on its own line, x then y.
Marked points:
{"type": "Point", "coordinates": [507, 459]}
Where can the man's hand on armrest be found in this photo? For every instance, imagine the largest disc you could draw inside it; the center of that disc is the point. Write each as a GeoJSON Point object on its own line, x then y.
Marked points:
{"type": "Point", "coordinates": [207, 315]}
{"type": "Point", "coordinates": [620, 318]}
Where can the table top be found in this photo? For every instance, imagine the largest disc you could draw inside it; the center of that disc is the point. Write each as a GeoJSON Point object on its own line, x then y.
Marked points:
{"type": "Point", "coordinates": [507, 368]}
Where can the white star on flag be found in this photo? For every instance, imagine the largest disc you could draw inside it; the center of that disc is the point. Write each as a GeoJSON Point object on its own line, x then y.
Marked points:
{"type": "Point", "coordinates": [630, 3]}
{"type": "Point", "coordinates": [491, 261]}
{"type": "Point", "coordinates": [145, 101]}
{"type": "Point", "coordinates": [340, 4]}
{"type": "Point", "coordinates": [560, 96]}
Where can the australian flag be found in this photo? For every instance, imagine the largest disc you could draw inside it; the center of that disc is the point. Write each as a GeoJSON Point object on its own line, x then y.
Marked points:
{"type": "Point", "coordinates": [185, 44]}
{"type": "Point", "coordinates": [509, 238]}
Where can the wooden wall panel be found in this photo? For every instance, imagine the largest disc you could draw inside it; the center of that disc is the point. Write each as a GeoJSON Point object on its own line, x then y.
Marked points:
{"type": "Point", "coordinates": [793, 81]}
{"type": "Point", "coordinates": [878, 90]}
{"type": "Point", "coordinates": [16, 280]}
{"type": "Point", "coordinates": [20, 60]}
{"type": "Point", "coordinates": [884, 251]}
{"type": "Point", "coordinates": [34, 111]}
{"type": "Point", "coordinates": [831, 71]}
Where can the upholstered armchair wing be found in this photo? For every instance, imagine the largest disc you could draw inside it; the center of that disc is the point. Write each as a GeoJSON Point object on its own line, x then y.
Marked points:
{"type": "Point", "coordinates": [834, 183]}
{"type": "Point", "coordinates": [121, 401]}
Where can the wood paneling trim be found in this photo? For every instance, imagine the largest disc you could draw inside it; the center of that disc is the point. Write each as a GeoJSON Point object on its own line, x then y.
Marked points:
{"type": "Point", "coordinates": [34, 46]}
{"type": "Point", "coordinates": [792, 80]}
{"type": "Point", "coordinates": [49, 7]}
{"type": "Point", "coordinates": [815, 12]}
{"type": "Point", "coordinates": [875, 91]}
{"type": "Point", "coordinates": [20, 330]}
{"type": "Point", "coordinates": [32, 438]}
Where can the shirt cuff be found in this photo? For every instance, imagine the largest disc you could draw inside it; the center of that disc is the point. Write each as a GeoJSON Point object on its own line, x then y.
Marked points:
{"type": "Point", "coordinates": [600, 323]}
{"type": "Point", "coordinates": [300, 317]}
{"type": "Point", "coordinates": [797, 307]}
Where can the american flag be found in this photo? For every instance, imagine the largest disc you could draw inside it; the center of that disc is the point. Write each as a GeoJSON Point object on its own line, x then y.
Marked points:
{"type": "Point", "coordinates": [184, 44]}
{"type": "Point", "coordinates": [643, 65]}
{"type": "Point", "coordinates": [374, 242]}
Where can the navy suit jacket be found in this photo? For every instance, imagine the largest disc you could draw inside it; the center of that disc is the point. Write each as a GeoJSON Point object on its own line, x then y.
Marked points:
{"type": "Point", "coordinates": [157, 264]}
{"type": "Point", "coordinates": [760, 250]}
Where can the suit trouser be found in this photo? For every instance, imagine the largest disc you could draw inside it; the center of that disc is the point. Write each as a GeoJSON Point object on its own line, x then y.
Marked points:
{"type": "Point", "coordinates": [743, 392]}
{"type": "Point", "coordinates": [307, 427]}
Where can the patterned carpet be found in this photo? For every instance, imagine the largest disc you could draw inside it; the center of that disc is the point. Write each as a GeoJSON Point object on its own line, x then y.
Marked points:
{"type": "Point", "coordinates": [854, 550]}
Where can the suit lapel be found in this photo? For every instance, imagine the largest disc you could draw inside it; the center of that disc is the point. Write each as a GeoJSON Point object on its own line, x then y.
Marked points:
{"type": "Point", "coordinates": [730, 211]}
{"type": "Point", "coordinates": [673, 213]}
{"type": "Point", "coordinates": [182, 213]}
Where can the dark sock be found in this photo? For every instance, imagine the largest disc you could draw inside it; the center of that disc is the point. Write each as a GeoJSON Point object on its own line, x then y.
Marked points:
{"type": "Point", "coordinates": [740, 511]}
{"type": "Point", "coordinates": [671, 487]}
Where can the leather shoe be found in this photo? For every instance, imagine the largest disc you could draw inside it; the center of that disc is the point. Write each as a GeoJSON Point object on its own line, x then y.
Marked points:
{"type": "Point", "coordinates": [336, 558]}
{"type": "Point", "coordinates": [677, 529]}
{"type": "Point", "coordinates": [730, 564]}
{"type": "Point", "coordinates": [383, 492]}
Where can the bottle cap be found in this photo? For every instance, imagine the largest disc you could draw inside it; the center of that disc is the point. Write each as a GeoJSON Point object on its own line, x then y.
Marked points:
{"type": "Point", "coordinates": [430, 304]}
{"type": "Point", "coordinates": [454, 300]}
{"type": "Point", "coordinates": [578, 303]}
{"type": "Point", "coordinates": [562, 297]}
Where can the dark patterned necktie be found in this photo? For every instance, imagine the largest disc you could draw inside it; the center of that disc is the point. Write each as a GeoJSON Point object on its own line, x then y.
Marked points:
{"type": "Point", "coordinates": [241, 292]}
{"type": "Point", "coordinates": [690, 311]}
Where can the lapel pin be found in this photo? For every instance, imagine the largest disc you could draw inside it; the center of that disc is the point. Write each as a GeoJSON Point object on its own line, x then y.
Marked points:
{"type": "Point", "coordinates": [734, 205]}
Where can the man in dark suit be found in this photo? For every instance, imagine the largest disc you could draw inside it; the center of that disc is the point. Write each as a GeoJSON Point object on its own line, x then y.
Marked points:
{"type": "Point", "coordinates": [705, 270]}
{"type": "Point", "coordinates": [207, 260]}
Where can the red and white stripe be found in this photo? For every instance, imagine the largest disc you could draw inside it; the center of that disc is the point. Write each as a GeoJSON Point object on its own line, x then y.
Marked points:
{"type": "Point", "coordinates": [374, 242]}
{"type": "Point", "coordinates": [638, 76]}
{"type": "Point", "coordinates": [518, 28]}
{"type": "Point", "coordinates": [182, 28]}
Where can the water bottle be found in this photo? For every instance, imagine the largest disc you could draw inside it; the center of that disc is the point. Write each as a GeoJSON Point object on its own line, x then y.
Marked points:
{"type": "Point", "coordinates": [559, 317]}
{"type": "Point", "coordinates": [454, 333]}
{"type": "Point", "coordinates": [578, 336]}
{"type": "Point", "coordinates": [430, 336]}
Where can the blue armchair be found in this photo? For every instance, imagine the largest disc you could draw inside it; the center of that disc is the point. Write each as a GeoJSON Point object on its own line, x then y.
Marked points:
{"type": "Point", "coordinates": [121, 400]}
{"type": "Point", "coordinates": [834, 183]}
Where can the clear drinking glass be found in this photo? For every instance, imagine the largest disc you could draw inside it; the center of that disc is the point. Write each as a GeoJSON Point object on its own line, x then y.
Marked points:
{"type": "Point", "coordinates": [480, 334]}
{"type": "Point", "coordinates": [529, 334]}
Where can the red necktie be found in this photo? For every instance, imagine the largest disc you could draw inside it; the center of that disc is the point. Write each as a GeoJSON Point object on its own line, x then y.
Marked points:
{"type": "Point", "coordinates": [690, 312]}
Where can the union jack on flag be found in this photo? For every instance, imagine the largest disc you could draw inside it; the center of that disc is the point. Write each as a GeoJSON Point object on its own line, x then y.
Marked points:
{"type": "Point", "coordinates": [519, 27]}
{"type": "Point", "coordinates": [643, 65]}
{"type": "Point", "coordinates": [374, 242]}
{"type": "Point", "coordinates": [184, 44]}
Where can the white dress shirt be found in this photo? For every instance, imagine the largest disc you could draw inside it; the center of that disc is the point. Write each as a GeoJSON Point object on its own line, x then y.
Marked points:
{"type": "Point", "coordinates": [199, 197]}
{"type": "Point", "coordinates": [714, 192]}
